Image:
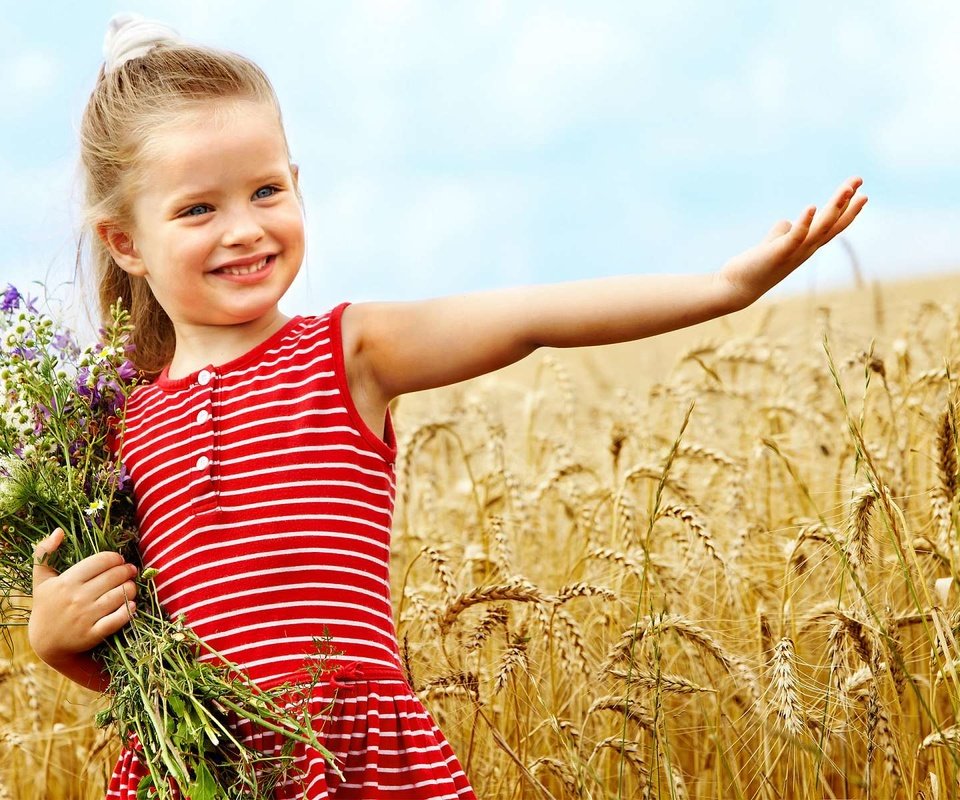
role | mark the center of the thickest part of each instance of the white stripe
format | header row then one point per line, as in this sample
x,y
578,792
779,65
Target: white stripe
x,y
300,484
202,622
296,663
267,624
187,459
248,646
384,623
188,462
300,519
297,658
340,587
246,557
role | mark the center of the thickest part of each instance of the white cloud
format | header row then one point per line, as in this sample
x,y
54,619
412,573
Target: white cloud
x,y
26,77
556,72
42,209
413,236
922,128
899,242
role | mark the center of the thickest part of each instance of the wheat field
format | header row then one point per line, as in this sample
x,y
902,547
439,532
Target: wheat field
x,y
717,564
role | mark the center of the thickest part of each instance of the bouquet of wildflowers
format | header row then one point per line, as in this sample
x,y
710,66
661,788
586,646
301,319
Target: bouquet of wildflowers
x,y
63,407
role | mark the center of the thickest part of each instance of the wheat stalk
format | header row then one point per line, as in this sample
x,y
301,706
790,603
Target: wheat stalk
x,y
514,658
627,750
629,707
786,697
947,737
696,524
441,565
566,773
947,452
465,682
858,544
492,618
661,682
518,591
581,589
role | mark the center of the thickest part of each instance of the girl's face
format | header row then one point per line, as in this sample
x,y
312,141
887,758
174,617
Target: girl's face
x,y
217,227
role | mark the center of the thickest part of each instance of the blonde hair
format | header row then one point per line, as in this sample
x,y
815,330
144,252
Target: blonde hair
x,y
127,105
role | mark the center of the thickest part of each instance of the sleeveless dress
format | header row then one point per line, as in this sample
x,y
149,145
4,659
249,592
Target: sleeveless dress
x,y
265,502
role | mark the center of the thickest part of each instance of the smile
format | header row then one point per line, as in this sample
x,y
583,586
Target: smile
x,y
247,269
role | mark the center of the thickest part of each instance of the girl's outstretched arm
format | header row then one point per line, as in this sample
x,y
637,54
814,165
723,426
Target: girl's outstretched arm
x,y
394,348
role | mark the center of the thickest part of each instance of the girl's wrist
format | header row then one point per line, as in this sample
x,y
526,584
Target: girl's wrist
x,y
81,668
731,296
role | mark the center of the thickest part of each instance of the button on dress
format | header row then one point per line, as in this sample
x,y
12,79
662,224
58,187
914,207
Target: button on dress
x,y
266,503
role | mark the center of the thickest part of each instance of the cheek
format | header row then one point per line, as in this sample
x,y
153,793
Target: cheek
x,y
294,231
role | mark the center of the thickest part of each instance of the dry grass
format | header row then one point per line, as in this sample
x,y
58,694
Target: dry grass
x,y
602,594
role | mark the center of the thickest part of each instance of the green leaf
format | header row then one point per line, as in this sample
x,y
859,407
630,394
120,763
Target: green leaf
x,y
177,704
104,718
144,787
204,787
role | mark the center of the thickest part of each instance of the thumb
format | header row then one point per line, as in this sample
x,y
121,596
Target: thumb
x,y
44,549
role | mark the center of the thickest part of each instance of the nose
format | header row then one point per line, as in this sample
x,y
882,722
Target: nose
x,y
241,227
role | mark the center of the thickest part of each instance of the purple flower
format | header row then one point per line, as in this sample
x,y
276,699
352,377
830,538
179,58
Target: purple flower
x,y
126,371
81,382
123,479
11,298
65,343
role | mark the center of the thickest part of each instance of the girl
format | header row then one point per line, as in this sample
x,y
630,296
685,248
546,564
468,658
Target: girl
x,y
262,451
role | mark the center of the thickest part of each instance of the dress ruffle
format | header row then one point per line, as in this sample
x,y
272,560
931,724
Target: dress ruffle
x,y
385,743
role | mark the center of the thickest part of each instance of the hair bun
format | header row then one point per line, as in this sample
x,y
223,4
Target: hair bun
x,y
131,36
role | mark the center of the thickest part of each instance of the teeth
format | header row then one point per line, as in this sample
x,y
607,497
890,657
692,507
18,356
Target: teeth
x,y
247,269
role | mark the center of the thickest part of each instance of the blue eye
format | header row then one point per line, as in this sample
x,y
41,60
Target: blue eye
x,y
193,211
270,191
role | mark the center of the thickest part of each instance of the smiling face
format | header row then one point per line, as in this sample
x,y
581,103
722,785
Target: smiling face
x,y
217,227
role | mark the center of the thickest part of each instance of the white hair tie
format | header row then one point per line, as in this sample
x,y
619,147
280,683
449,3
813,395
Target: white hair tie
x,y
132,36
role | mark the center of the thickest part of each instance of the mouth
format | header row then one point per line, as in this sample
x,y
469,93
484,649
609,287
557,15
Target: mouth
x,y
246,269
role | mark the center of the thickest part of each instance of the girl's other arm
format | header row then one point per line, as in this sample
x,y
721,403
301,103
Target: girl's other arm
x,y
394,348
76,610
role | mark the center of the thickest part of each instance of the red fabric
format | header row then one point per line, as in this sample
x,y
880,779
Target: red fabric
x,y
265,503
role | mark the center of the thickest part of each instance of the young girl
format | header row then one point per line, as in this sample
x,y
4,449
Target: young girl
x,y
262,451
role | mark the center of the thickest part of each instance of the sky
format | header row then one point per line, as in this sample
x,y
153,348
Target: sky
x,y
450,146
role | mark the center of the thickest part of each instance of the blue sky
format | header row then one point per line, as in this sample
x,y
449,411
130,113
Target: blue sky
x,y
454,146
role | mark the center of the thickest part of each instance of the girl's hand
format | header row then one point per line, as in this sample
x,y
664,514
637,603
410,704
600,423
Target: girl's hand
x,y
787,246
76,610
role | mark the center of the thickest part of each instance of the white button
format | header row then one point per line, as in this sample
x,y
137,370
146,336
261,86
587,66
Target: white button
x,y
203,378
203,416
203,462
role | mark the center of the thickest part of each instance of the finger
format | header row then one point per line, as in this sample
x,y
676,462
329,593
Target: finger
x,y
778,230
45,548
835,209
845,191
800,229
114,621
116,598
94,565
841,212
849,215
110,579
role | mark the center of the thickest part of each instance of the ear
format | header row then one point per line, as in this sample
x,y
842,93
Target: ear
x,y
121,247
295,172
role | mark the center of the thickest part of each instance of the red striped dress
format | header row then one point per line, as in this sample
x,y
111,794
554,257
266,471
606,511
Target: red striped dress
x,y
265,502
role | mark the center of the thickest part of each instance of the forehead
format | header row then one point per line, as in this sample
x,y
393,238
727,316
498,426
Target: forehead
x,y
205,144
